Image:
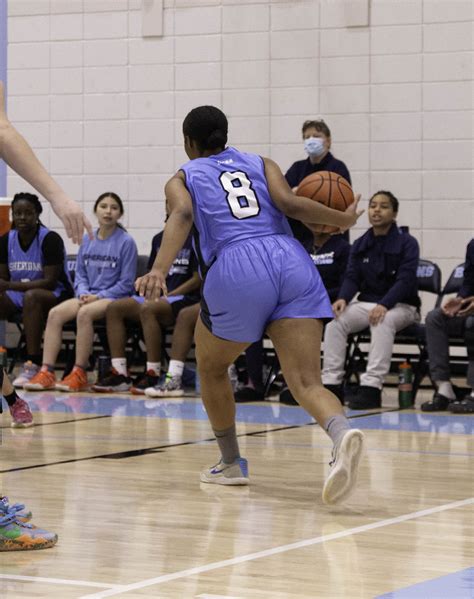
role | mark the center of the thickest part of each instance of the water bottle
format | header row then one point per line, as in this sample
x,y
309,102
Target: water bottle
x,y
405,385
3,357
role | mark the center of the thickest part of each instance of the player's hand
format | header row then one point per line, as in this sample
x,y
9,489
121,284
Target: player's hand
x,y
452,306
152,285
467,306
353,210
339,306
73,218
377,314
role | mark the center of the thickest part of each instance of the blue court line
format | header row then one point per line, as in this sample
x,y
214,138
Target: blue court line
x,y
459,585
271,413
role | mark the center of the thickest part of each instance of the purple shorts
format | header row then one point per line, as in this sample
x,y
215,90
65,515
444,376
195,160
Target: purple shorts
x,y
257,281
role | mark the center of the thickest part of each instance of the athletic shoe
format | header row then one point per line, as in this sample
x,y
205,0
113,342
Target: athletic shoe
x,y
42,381
75,381
367,398
466,406
25,376
16,535
149,379
438,403
342,477
21,414
236,473
170,387
19,508
246,394
113,383
337,390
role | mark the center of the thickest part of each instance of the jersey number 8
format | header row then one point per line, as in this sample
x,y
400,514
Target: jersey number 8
x,y
240,196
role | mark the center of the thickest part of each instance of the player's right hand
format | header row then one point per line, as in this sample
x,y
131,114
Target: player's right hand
x,y
452,306
339,306
73,218
152,285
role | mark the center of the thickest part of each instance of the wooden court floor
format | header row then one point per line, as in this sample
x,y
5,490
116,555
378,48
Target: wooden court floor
x,y
118,479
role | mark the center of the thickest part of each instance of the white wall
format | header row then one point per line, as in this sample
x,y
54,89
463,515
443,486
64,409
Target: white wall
x,y
103,106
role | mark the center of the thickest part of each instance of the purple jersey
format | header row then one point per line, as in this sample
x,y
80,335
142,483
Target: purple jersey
x,y
231,202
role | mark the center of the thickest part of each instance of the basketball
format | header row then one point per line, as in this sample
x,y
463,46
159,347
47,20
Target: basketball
x,y
330,189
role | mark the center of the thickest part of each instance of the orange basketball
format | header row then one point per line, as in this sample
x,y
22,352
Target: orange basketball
x,y
330,189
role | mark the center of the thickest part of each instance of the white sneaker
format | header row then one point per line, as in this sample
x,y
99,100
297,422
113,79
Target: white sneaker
x,y
342,477
25,376
171,387
236,473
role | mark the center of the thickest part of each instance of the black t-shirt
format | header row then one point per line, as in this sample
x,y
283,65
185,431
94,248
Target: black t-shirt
x,y
52,249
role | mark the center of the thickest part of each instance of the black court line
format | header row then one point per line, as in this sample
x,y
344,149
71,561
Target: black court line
x,y
36,425
161,448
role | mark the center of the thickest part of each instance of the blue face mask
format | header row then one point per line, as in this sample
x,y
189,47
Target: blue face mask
x,y
314,146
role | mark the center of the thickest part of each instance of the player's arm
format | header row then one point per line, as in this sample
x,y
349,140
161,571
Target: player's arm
x,y
19,156
304,209
176,232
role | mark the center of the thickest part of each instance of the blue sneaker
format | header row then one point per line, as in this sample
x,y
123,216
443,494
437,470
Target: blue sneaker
x,y
16,535
236,473
18,508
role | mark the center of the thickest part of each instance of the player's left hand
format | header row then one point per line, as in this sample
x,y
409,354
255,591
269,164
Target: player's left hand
x,y
467,306
152,285
377,314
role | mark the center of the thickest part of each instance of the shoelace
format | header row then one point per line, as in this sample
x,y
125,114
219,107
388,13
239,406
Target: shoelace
x,y
9,514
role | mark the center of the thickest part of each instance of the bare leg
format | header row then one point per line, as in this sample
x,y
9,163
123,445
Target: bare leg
x,y
183,334
57,316
86,316
297,342
117,313
153,315
36,305
214,356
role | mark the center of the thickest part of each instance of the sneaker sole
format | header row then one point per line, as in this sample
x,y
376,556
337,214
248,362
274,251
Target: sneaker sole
x,y
119,389
222,480
66,389
136,391
33,387
21,424
157,394
343,478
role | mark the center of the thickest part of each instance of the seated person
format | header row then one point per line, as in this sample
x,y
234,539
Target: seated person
x,y
183,285
441,323
105,270
330,254
382,270
317,143
32,276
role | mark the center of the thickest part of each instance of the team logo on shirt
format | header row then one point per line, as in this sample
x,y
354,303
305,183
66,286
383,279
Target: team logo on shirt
x,y
319,259
99,261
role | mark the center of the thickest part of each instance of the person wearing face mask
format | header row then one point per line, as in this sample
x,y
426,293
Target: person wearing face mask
x,y
317,145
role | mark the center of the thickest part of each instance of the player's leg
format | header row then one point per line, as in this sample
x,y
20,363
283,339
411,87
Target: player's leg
x,y
19,409
183,335
154,316
15,532
116,315
382,336
36,305
297,342
214,355
87,314
57,317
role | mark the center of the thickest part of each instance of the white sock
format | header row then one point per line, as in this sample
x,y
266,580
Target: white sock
x,y
120,365
445,388
175,368
155,366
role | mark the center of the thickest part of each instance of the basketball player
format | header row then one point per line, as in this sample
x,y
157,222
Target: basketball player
x,y
257,278
15,531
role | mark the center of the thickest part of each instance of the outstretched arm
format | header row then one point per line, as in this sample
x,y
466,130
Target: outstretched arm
x,y
176,232
304,209
19,156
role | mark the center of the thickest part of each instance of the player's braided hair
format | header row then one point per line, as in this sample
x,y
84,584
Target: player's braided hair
x,y
29,197
207,126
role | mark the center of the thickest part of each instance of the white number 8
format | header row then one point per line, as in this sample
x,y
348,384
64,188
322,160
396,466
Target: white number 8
x,y
242,200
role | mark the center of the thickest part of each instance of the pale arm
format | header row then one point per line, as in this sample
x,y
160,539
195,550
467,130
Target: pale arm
x,y
19,156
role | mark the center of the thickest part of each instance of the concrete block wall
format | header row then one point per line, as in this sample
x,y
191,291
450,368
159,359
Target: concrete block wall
x,y
103,106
